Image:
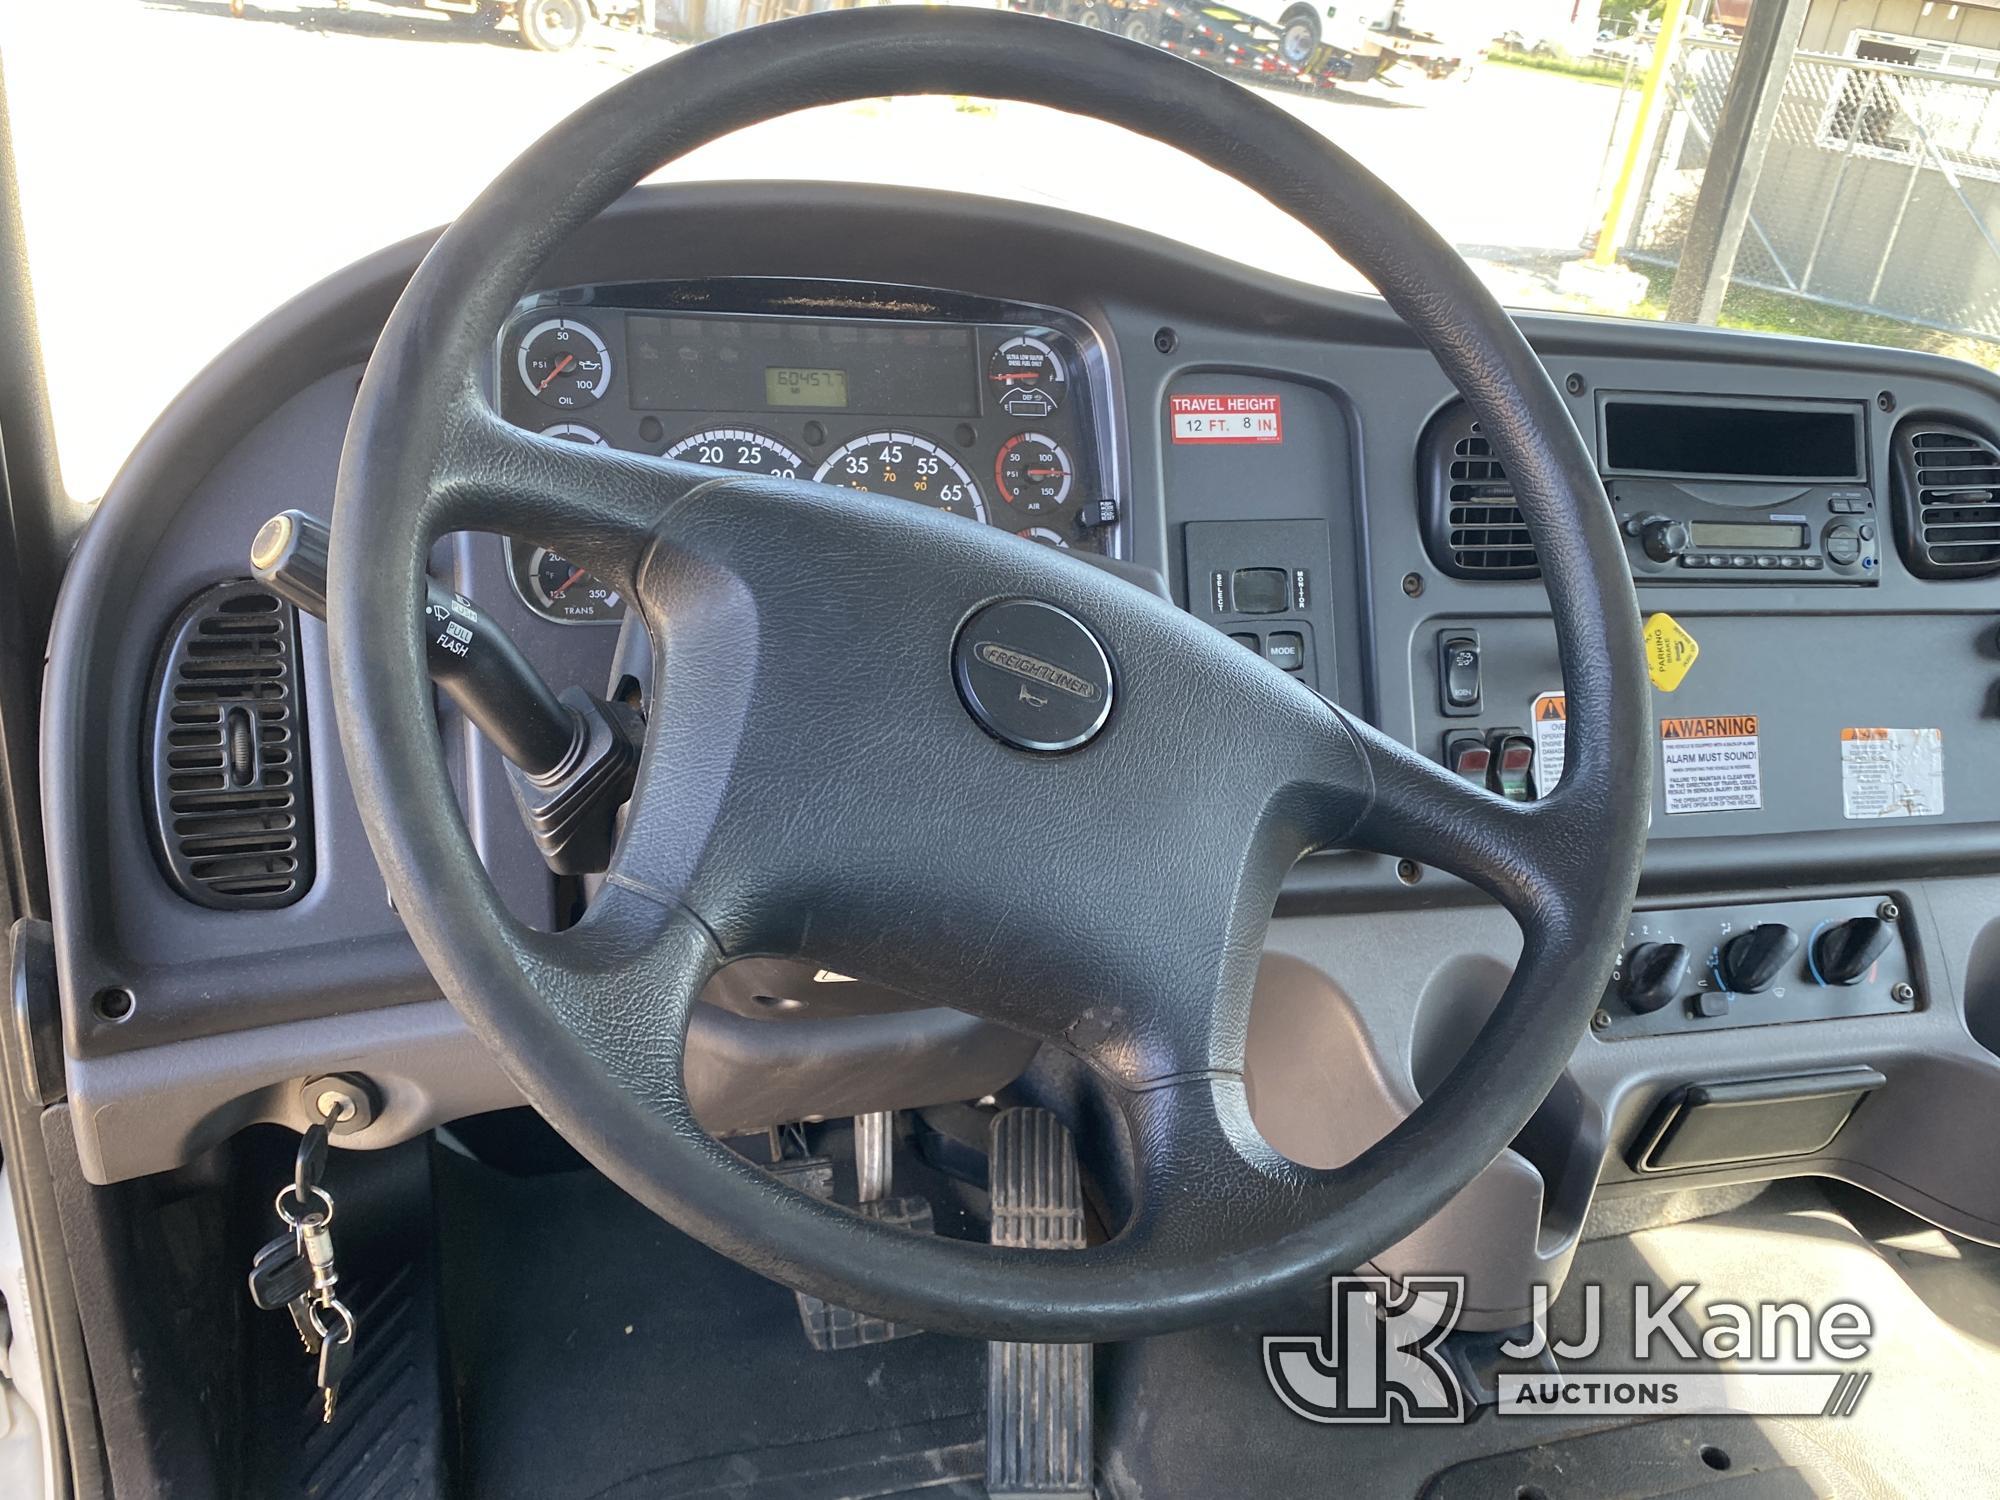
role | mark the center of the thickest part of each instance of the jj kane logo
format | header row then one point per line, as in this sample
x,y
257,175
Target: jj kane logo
x,y
1380,1361
1384,1357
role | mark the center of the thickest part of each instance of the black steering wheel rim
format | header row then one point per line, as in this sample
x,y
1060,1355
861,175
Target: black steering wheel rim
x,y
732,573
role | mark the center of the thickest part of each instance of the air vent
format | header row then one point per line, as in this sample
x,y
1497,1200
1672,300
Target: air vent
x,y
231,801
1947,500
1472,527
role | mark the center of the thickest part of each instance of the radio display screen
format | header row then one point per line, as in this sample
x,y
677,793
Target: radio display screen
x,y
1752,536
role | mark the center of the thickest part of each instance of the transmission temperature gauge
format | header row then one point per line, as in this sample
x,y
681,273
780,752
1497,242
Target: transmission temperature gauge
x,y
557,589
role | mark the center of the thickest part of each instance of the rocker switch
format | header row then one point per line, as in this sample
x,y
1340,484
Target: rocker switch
x,y
1513,764
1458,672
1466,753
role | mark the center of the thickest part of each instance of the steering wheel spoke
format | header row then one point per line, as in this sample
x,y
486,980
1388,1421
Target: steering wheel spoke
x,y
598,506
1517,852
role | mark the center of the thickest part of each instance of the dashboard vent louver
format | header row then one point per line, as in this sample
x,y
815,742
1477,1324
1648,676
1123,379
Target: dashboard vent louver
x,y
231,800
1472,526
1947,509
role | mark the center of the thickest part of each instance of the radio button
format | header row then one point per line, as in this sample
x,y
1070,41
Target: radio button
x,y
1738,560
1788,562
1843,545
1811,564
1764,560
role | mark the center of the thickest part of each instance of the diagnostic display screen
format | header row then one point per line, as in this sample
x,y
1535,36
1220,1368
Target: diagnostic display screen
x,y
805,387
1753,536
704,362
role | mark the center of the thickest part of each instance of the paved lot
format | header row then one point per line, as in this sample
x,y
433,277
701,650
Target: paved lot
x,y
183,172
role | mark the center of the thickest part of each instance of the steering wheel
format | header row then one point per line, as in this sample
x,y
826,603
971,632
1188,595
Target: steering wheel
x,y
919,751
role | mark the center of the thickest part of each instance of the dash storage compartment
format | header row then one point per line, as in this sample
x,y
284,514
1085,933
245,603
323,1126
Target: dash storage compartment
x,y
1758,1119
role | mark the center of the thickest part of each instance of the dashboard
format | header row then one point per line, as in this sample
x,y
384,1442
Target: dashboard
x,y
1814,530
995,422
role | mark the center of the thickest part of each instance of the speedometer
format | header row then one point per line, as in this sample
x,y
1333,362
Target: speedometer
x,y
743,449
906,465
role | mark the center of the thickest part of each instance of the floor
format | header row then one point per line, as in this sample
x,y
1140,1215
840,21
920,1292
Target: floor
x,y
1196,1403
612,1358
615,1359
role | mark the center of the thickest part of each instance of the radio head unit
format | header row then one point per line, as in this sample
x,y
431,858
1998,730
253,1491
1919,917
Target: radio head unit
x,y
1751,491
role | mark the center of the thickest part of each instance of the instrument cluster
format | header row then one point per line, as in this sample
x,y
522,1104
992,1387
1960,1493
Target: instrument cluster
x,y
993,422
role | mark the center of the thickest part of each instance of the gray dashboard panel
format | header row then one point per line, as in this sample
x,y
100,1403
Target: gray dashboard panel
x,y
1370,978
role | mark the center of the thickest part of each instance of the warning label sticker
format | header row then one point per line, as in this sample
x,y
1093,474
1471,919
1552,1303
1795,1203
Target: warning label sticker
x,y
1227,419
1550,719
1892,773
1711,764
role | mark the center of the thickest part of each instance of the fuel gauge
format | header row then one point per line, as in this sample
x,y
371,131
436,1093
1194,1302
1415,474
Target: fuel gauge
x,y
1026,377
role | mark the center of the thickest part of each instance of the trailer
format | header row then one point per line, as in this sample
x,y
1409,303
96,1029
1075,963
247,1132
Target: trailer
x,y
1288,53
546,25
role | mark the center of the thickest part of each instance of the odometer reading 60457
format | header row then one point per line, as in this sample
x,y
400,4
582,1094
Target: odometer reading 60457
x,y
904,464
789,387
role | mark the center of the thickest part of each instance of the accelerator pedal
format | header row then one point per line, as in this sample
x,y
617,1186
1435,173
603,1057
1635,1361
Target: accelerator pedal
x,y
1038,1398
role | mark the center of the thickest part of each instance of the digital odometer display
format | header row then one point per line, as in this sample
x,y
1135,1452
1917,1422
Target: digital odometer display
x,y
1751,536
822,388
709,362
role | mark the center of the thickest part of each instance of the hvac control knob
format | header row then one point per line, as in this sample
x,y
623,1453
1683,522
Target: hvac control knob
x,y
1750,961
1847,950
1653,976
1664,539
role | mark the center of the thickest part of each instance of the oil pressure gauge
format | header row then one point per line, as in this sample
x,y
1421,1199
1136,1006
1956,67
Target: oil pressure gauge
x,y
564,363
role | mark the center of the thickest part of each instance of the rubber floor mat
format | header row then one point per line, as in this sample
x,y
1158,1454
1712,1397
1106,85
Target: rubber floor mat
x,y
598,1354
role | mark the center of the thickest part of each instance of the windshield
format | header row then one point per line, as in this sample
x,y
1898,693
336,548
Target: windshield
x,y
207,159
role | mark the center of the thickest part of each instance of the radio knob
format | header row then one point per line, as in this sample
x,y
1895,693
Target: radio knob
x,y
1663,538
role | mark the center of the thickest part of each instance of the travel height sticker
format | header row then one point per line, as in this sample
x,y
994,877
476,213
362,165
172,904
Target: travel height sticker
x,y
1227,419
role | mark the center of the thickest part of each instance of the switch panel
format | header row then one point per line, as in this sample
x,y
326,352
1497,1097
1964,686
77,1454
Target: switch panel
x,y
1702,968
1268,586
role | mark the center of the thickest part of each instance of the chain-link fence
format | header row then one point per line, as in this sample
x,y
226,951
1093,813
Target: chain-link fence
x,y
1880,191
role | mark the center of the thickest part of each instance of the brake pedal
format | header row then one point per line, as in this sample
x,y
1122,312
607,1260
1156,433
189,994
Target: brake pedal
x,y
828,1325
1038,1396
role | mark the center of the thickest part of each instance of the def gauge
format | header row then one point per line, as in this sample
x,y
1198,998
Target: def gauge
x,y
743,449
564,363
1026,377
1033,472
